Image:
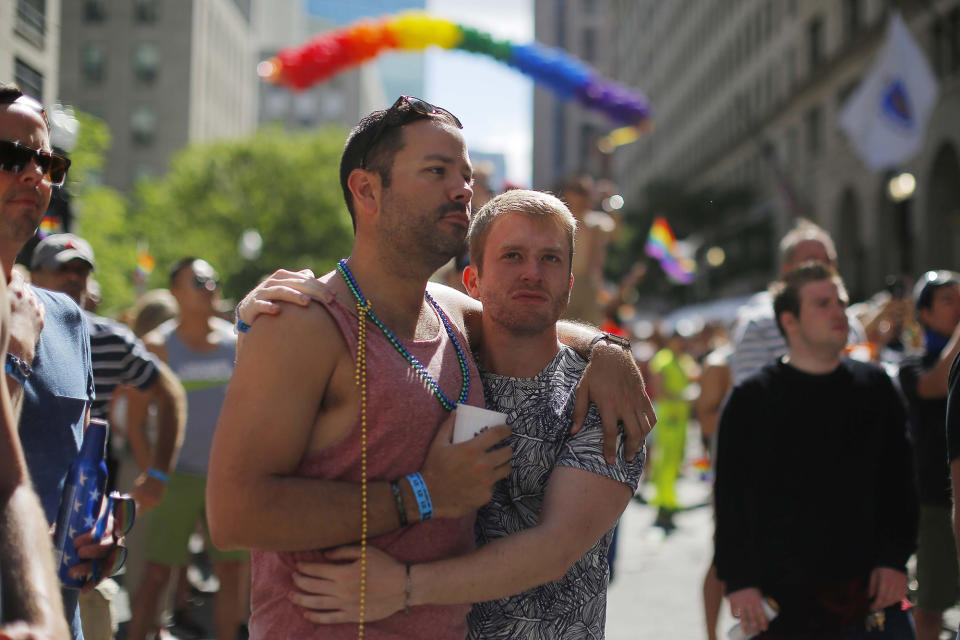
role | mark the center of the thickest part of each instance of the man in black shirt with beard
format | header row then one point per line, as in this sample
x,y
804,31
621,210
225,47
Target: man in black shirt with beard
x,y
816,506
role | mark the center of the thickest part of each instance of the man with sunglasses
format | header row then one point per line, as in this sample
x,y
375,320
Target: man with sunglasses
x,y
335,429
51,377
199,348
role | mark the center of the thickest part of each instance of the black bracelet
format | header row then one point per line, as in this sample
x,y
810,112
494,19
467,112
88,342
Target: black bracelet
x,y
401,508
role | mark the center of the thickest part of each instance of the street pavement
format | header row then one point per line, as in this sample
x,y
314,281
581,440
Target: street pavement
x,y
657,587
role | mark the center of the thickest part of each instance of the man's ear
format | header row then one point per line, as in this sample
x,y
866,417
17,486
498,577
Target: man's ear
x,y
365,188
788,321
470,280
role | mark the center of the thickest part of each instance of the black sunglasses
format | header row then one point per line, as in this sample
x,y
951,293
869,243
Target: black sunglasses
x,y
15,158
416,104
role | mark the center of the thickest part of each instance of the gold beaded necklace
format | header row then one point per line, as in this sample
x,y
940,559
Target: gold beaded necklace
x,y
361,378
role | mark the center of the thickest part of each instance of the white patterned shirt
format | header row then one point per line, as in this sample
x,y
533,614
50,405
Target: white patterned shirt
x,y
540,411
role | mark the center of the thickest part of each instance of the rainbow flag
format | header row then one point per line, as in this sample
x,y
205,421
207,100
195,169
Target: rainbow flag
x,y
662,245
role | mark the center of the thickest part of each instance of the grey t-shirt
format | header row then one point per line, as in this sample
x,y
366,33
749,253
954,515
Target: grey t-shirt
x,y
540,411
205,377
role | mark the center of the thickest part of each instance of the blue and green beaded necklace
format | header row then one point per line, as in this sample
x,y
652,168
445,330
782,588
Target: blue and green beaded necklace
x,y
421,371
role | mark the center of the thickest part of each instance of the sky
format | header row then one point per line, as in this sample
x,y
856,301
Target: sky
x,y
493,101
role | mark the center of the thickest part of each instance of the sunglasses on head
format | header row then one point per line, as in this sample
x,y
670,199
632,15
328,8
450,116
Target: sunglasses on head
x,y
15,158
416,104
29,102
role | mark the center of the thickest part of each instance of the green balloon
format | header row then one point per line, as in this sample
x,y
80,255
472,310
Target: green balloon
x,y
481,42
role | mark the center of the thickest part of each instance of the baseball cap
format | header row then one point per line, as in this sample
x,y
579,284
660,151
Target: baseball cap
x,y
930,282
60,248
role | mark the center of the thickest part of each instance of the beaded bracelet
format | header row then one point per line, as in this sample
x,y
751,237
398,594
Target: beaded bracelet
x,y
158,475
422,494
242,327
401,508
407,591
17,368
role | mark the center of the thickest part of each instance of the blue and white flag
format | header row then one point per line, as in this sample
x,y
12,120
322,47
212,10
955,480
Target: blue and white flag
x,y
886,117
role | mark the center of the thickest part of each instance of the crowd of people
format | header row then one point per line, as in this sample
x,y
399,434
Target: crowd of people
x,y
307,439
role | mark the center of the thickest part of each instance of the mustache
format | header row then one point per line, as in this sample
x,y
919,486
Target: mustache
x,y
454,207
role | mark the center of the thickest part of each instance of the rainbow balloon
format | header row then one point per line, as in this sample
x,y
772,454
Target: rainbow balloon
x,y
334,51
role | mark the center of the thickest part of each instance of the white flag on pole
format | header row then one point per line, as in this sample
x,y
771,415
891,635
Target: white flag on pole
x,y
886,117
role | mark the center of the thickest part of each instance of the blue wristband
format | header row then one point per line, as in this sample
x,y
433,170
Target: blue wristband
x,y
422,494
242,326
158,475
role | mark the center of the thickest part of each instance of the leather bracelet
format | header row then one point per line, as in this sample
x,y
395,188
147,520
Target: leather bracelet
x,y
401,508
422,494
17,368
156,474
242,327
407,592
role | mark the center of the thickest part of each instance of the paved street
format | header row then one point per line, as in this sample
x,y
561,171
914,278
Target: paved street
x,y
657,590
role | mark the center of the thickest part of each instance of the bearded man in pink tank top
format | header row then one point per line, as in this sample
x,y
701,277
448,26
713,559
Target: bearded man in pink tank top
x,y
337,423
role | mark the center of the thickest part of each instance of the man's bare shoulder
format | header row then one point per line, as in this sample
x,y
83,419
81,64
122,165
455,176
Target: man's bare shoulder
x,y
457,305
301,331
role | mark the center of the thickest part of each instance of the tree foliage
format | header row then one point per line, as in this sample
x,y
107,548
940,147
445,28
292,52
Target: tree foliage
x,y
284,186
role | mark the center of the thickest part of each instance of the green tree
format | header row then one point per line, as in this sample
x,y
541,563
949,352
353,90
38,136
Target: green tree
x,y
284,186
102,214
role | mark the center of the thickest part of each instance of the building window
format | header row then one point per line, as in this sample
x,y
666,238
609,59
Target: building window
x,y
95,10
29,79
32,20
145,11
143,126
852,18
92,59
589,44
146,61
946,43
815,44
814,125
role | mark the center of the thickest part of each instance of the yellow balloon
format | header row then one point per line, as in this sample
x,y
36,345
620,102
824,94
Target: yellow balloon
x,y
417,30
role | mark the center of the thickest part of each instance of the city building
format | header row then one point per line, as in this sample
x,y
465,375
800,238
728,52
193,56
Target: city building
x,y
346,97
564,133
30,46
161,74
748,93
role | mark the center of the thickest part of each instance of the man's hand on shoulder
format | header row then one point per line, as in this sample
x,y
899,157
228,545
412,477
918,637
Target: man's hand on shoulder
x,y
460,477
294,287
27,315
887,586
747,606
613,382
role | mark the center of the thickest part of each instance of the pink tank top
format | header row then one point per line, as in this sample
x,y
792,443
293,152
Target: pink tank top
x,y
402,418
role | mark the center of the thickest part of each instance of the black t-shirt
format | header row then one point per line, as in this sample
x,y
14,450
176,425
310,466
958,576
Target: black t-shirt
x,y
928,427
814,478
953,411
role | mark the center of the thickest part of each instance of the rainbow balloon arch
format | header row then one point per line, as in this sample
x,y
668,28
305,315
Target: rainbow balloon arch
x,y
568,77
